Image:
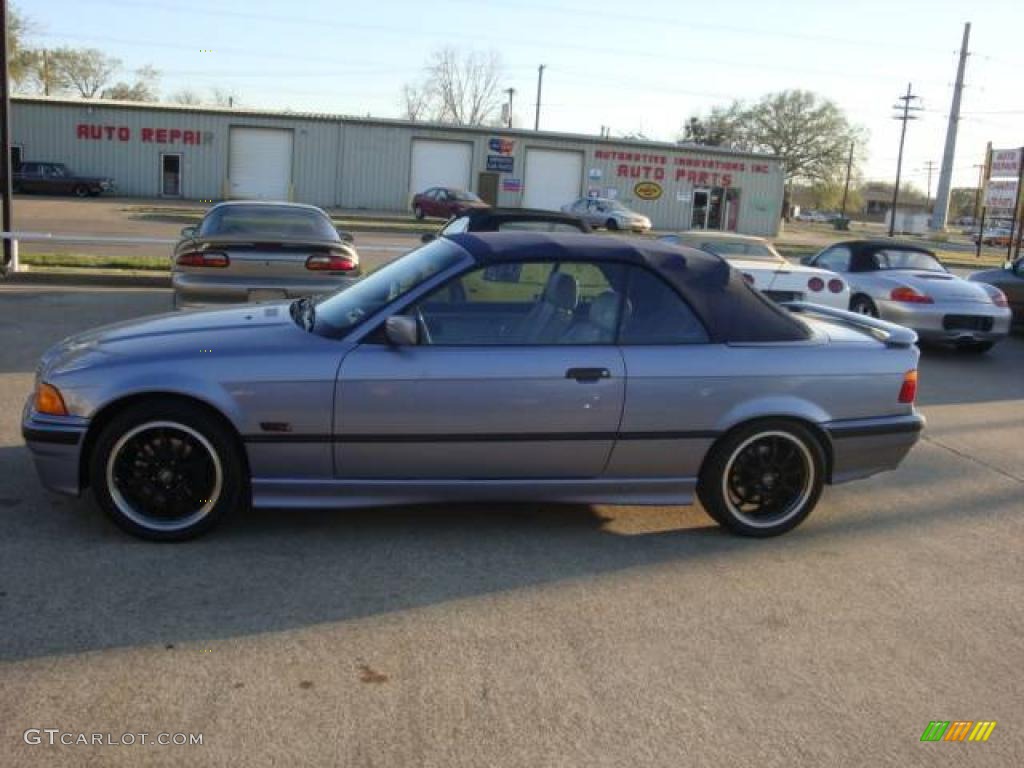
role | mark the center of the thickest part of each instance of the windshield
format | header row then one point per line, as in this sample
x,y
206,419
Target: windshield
x,y
342,311
738,249
902,259
268,221
461,194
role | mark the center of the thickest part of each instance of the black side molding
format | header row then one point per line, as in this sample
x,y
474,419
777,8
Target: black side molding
x,y
838,430
54,436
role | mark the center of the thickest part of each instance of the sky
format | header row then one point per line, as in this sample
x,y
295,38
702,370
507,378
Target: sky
x,y
632,66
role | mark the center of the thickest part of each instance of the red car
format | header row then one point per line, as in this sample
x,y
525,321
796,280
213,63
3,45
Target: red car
x,y
445,202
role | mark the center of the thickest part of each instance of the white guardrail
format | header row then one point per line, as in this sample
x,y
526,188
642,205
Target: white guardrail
x,y
49,237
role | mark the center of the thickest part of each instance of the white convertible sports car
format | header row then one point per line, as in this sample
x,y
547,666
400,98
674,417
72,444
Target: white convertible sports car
x,y
768,270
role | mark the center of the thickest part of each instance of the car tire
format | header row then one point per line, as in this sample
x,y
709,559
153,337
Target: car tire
x,y
778,462
611,225
417,212
862,305
81,190
168,455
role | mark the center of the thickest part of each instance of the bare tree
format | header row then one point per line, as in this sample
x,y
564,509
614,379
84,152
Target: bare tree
x,y
87,70
459,87
416,101
20,58
223,97
185,96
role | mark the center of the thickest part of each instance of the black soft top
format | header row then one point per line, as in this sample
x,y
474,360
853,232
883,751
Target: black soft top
x,y
481,219
730,309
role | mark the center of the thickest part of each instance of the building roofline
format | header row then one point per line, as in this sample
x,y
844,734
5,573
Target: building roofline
x,y
388,121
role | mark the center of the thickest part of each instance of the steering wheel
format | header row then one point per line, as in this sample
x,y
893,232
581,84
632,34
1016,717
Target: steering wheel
x,y
421,322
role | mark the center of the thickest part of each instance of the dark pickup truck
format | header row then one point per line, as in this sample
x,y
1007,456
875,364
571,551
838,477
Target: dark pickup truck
x,y
58,179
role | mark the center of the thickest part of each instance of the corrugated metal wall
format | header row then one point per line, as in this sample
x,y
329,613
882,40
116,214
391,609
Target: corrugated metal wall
x,y
365,164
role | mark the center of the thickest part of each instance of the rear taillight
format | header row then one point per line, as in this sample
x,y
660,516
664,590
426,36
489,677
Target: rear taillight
x,y
835,285
907,294
203,259
908,392
998,297
815,284
330,262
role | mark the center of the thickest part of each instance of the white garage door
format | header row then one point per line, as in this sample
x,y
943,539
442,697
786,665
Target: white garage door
x,y
440,164
260,163
553,178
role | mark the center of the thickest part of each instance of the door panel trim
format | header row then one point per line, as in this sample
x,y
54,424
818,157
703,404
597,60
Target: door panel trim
x,y
510,437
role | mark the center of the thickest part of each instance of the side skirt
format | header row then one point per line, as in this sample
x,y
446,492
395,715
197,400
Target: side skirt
x,y
347,493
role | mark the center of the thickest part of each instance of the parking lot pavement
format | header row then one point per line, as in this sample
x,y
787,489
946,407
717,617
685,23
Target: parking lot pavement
x,y
525,635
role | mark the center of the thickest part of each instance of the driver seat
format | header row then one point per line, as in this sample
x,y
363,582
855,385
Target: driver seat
x,y
552,315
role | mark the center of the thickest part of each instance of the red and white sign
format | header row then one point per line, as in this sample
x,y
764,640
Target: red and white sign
x,y
1005,162
1001,193
96,132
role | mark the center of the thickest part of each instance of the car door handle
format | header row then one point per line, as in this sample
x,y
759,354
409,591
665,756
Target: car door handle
x,y
588,374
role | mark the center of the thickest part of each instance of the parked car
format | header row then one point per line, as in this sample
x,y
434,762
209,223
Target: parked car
x,y
997,236
1009,280
768,270
58,179
610,214
904,283
509,220
665,377
256,251
444,202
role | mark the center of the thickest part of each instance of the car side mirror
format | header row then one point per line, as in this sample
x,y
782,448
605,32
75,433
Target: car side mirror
x,y
189,231
402,331
1018,268
428,238
346,237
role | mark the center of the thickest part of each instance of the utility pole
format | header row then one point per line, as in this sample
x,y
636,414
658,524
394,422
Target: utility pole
x,y
846,189
986,172
906,116
940,212
929,166
46,72
5,144
540,83
511,92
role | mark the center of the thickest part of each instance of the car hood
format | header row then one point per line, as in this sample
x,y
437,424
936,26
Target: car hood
x,y
176,336
940,286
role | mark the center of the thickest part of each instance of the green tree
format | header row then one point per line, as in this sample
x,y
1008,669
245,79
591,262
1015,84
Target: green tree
x,y
143,89
86,70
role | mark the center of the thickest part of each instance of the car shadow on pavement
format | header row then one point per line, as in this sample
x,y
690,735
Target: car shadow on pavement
x,y
71,582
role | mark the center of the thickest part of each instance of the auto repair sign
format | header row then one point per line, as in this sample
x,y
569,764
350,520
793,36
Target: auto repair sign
x,y
501,146
1005,162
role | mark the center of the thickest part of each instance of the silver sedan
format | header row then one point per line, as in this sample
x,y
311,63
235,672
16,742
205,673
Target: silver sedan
x,y
610,214
906,284
258,251
495,367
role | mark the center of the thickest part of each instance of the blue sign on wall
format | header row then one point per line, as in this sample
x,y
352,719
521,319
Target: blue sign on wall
x,y
500,163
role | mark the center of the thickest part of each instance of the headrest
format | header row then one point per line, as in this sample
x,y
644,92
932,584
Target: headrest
x,y
562,290
604,311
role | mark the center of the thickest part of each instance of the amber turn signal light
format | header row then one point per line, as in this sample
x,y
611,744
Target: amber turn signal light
x,y
48,400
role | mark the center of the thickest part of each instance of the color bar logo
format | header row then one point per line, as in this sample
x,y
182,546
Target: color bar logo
x,y
958,730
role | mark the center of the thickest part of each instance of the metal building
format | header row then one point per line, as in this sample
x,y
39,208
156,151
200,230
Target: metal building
x,y
204,153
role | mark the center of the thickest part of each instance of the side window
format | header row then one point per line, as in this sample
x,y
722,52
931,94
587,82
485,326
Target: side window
x,y
655,314
526,303
836,259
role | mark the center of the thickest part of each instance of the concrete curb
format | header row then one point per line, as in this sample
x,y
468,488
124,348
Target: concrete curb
x,y
104,278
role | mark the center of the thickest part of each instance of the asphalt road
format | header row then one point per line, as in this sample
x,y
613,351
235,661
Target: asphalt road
x,y
529,635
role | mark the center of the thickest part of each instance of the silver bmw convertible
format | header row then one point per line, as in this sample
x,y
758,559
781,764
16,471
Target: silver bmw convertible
x,y
496,366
